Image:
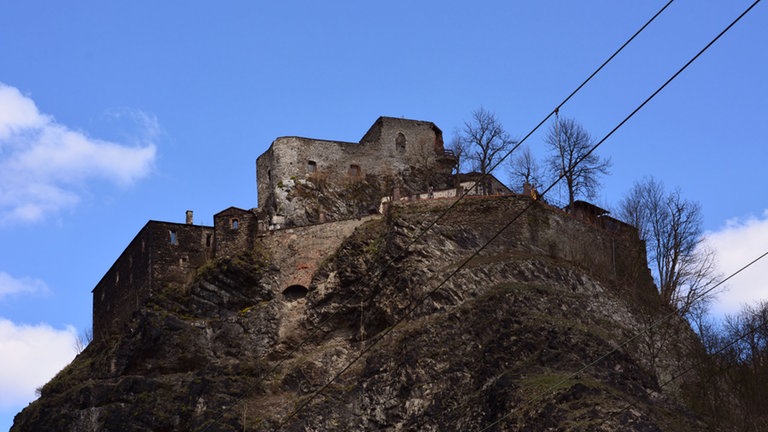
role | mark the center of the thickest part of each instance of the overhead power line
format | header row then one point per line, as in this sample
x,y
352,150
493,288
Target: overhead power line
x,y
705,292
415,304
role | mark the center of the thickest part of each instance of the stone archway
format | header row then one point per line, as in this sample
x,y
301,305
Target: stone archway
x,y
295,292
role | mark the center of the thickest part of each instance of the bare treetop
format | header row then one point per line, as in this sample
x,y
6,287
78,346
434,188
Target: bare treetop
x,y
671,227
485,140
524,169
570,146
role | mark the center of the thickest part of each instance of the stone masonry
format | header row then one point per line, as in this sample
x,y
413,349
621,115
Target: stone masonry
x,y
394,152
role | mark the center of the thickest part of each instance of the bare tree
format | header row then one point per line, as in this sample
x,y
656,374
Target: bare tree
x,y
485,140
524,169
747,358
459,149
671,228
570,145
83,339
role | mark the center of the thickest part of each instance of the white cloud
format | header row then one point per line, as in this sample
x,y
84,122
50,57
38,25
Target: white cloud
x,y
739,242
31,355
44,164
10,285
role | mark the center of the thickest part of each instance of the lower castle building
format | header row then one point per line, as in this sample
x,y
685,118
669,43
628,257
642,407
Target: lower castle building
x,y
165,254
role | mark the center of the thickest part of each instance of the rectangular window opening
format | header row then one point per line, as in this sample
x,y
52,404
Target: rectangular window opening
x,y
354,170
174,239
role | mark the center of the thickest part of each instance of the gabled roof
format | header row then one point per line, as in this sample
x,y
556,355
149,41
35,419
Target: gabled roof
x,y
375,130
232,210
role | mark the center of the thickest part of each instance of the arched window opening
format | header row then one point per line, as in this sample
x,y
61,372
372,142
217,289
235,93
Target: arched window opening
x,y
235,223
295,292
311,167
400,142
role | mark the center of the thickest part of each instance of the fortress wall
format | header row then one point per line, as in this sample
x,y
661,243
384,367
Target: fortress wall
x,y
299,251
264,183
174,264
124,287
543,230
235,230
613,254
151,261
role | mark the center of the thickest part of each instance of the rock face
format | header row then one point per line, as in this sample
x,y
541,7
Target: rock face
x,y
528,335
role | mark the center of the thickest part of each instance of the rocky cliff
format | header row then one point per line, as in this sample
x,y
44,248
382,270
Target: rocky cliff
x,y
528,335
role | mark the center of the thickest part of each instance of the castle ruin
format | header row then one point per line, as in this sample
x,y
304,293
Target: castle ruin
x,y
306,188
395,152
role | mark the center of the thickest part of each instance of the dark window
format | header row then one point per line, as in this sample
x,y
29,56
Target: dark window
x,y
207,239
311,166
400,142
354,170
174,240
235,224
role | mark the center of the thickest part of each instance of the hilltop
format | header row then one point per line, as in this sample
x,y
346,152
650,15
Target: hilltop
x,y
508,342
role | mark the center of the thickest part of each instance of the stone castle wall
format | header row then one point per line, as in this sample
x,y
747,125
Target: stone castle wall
x,y
304,181
235,230
616,255
162,255
298,252
392,148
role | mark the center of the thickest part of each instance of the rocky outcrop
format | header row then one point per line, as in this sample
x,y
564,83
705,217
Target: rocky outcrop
x,y
528,335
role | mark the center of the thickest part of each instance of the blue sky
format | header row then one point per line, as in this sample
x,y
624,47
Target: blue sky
x,y
113,113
